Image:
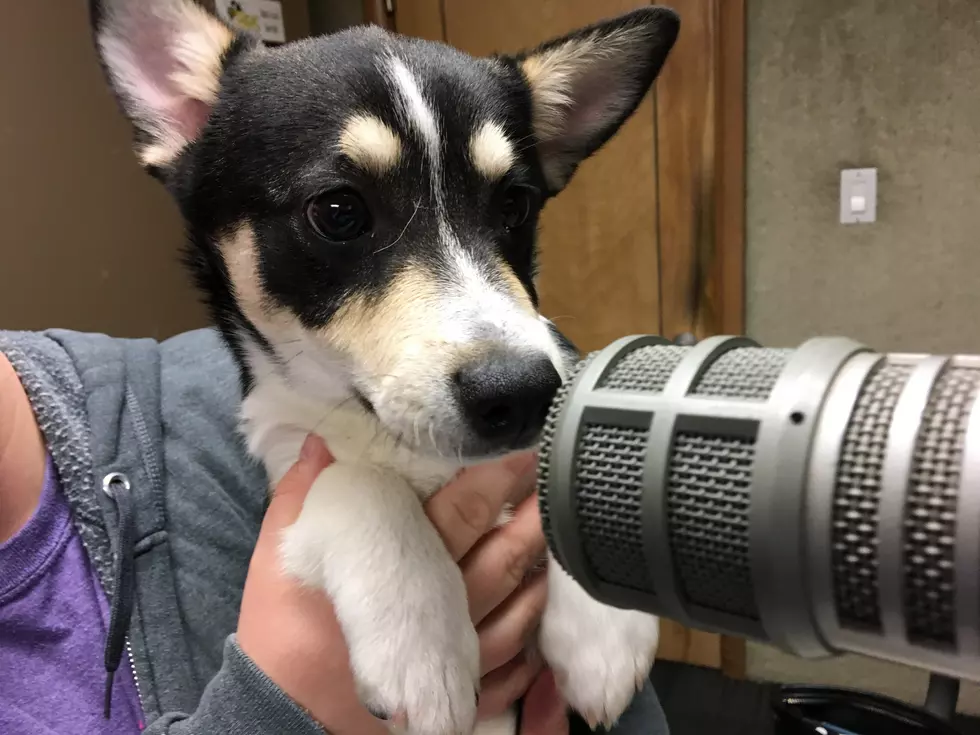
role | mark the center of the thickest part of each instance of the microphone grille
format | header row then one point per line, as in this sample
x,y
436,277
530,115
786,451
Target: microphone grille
x,y
547,439
645,369
857,497
708,502
930,510
609,482
748,373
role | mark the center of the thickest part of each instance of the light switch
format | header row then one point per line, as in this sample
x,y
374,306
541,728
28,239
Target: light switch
x,y
858,195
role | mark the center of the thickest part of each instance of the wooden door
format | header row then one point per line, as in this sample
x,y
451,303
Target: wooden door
x,y
647,238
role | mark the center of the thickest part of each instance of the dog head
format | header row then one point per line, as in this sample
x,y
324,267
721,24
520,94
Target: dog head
x,y
362,207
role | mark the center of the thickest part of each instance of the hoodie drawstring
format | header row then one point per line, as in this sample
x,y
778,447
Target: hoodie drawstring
x,y
117,487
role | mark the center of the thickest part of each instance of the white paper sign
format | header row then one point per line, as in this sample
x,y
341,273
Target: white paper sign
x,y
262,18
273,28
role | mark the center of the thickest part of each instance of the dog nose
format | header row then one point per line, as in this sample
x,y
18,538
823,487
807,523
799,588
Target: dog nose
x,y
506,396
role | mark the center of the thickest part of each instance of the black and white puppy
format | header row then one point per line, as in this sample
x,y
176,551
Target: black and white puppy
x,y
361,210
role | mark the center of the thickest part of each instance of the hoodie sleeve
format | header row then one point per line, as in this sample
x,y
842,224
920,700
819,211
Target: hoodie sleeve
x,y
239,700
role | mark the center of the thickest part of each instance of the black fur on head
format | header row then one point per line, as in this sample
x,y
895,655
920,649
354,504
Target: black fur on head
x,y
370,201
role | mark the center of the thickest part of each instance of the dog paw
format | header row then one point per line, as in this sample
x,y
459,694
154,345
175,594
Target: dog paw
x,y
398,595
601,655
423,683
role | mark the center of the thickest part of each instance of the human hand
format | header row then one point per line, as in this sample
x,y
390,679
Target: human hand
x,y
506,601
289,630
545,712
307,647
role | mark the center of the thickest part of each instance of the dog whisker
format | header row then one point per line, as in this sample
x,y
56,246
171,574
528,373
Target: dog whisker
x,y
330,413
432,438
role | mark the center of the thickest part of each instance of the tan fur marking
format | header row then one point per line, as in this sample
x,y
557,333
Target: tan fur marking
x,y
241,258
550,75
370,144
381,332
199,51
159,154
200,44
516,288
492,153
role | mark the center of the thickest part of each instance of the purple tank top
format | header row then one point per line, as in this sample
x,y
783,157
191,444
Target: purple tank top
x,y
53,621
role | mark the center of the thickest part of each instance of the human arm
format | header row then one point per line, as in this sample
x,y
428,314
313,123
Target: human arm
x,y
211,496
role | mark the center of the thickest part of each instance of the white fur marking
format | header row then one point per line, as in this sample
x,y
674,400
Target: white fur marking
x,y
480,304
420,116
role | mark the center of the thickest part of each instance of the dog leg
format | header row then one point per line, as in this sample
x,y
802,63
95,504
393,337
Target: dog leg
x,y
601,655
363,536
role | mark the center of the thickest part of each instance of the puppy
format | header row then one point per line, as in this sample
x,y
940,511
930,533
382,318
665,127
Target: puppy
x,y
361,211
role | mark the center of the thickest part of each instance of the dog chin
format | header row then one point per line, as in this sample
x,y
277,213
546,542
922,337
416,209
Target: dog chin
x,y
455,443
472,450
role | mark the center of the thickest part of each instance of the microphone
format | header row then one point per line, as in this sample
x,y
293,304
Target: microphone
x,y
825,499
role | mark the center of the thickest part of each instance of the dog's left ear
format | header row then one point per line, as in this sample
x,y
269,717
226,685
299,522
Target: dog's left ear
x,y
586,84
164,60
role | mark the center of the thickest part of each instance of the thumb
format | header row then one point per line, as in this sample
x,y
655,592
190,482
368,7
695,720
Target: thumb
x,y
289,494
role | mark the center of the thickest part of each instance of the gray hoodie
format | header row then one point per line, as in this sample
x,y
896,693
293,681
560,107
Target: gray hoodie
x,y
162,414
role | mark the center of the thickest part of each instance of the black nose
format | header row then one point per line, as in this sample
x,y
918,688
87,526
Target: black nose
x,y
506,396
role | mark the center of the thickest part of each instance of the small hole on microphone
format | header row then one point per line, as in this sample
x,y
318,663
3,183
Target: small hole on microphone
x,y
797,417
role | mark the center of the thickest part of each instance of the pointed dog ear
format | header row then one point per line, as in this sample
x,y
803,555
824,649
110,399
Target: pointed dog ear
x,y
586,84
164,60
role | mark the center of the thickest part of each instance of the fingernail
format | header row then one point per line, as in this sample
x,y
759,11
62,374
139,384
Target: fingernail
x,y
311,448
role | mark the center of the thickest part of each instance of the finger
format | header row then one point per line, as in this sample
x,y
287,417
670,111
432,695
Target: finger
x,y
289,494
499,564
545,712
468,506
264,570
504,634
501,688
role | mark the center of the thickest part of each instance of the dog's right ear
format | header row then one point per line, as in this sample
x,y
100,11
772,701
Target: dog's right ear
x,y
585,84
164,60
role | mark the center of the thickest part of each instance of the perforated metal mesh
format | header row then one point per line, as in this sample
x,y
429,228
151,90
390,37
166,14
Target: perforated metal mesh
x,y
747,373
645,369
856,497
930,510
708,502
547,437
609,476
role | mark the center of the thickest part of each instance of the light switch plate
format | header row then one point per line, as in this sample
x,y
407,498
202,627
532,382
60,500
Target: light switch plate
x,y
858,185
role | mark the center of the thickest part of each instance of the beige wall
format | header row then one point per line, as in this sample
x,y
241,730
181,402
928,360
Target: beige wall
x,y
88,241
855,83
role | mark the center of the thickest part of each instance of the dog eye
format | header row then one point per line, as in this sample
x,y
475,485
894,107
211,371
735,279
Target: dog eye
x,y
516,206
339,216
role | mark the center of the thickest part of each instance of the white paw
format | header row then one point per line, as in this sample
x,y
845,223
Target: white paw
x,y
601,655
421,675
399,597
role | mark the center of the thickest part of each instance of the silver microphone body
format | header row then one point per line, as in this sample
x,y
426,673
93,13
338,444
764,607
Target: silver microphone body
x,y
825,499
